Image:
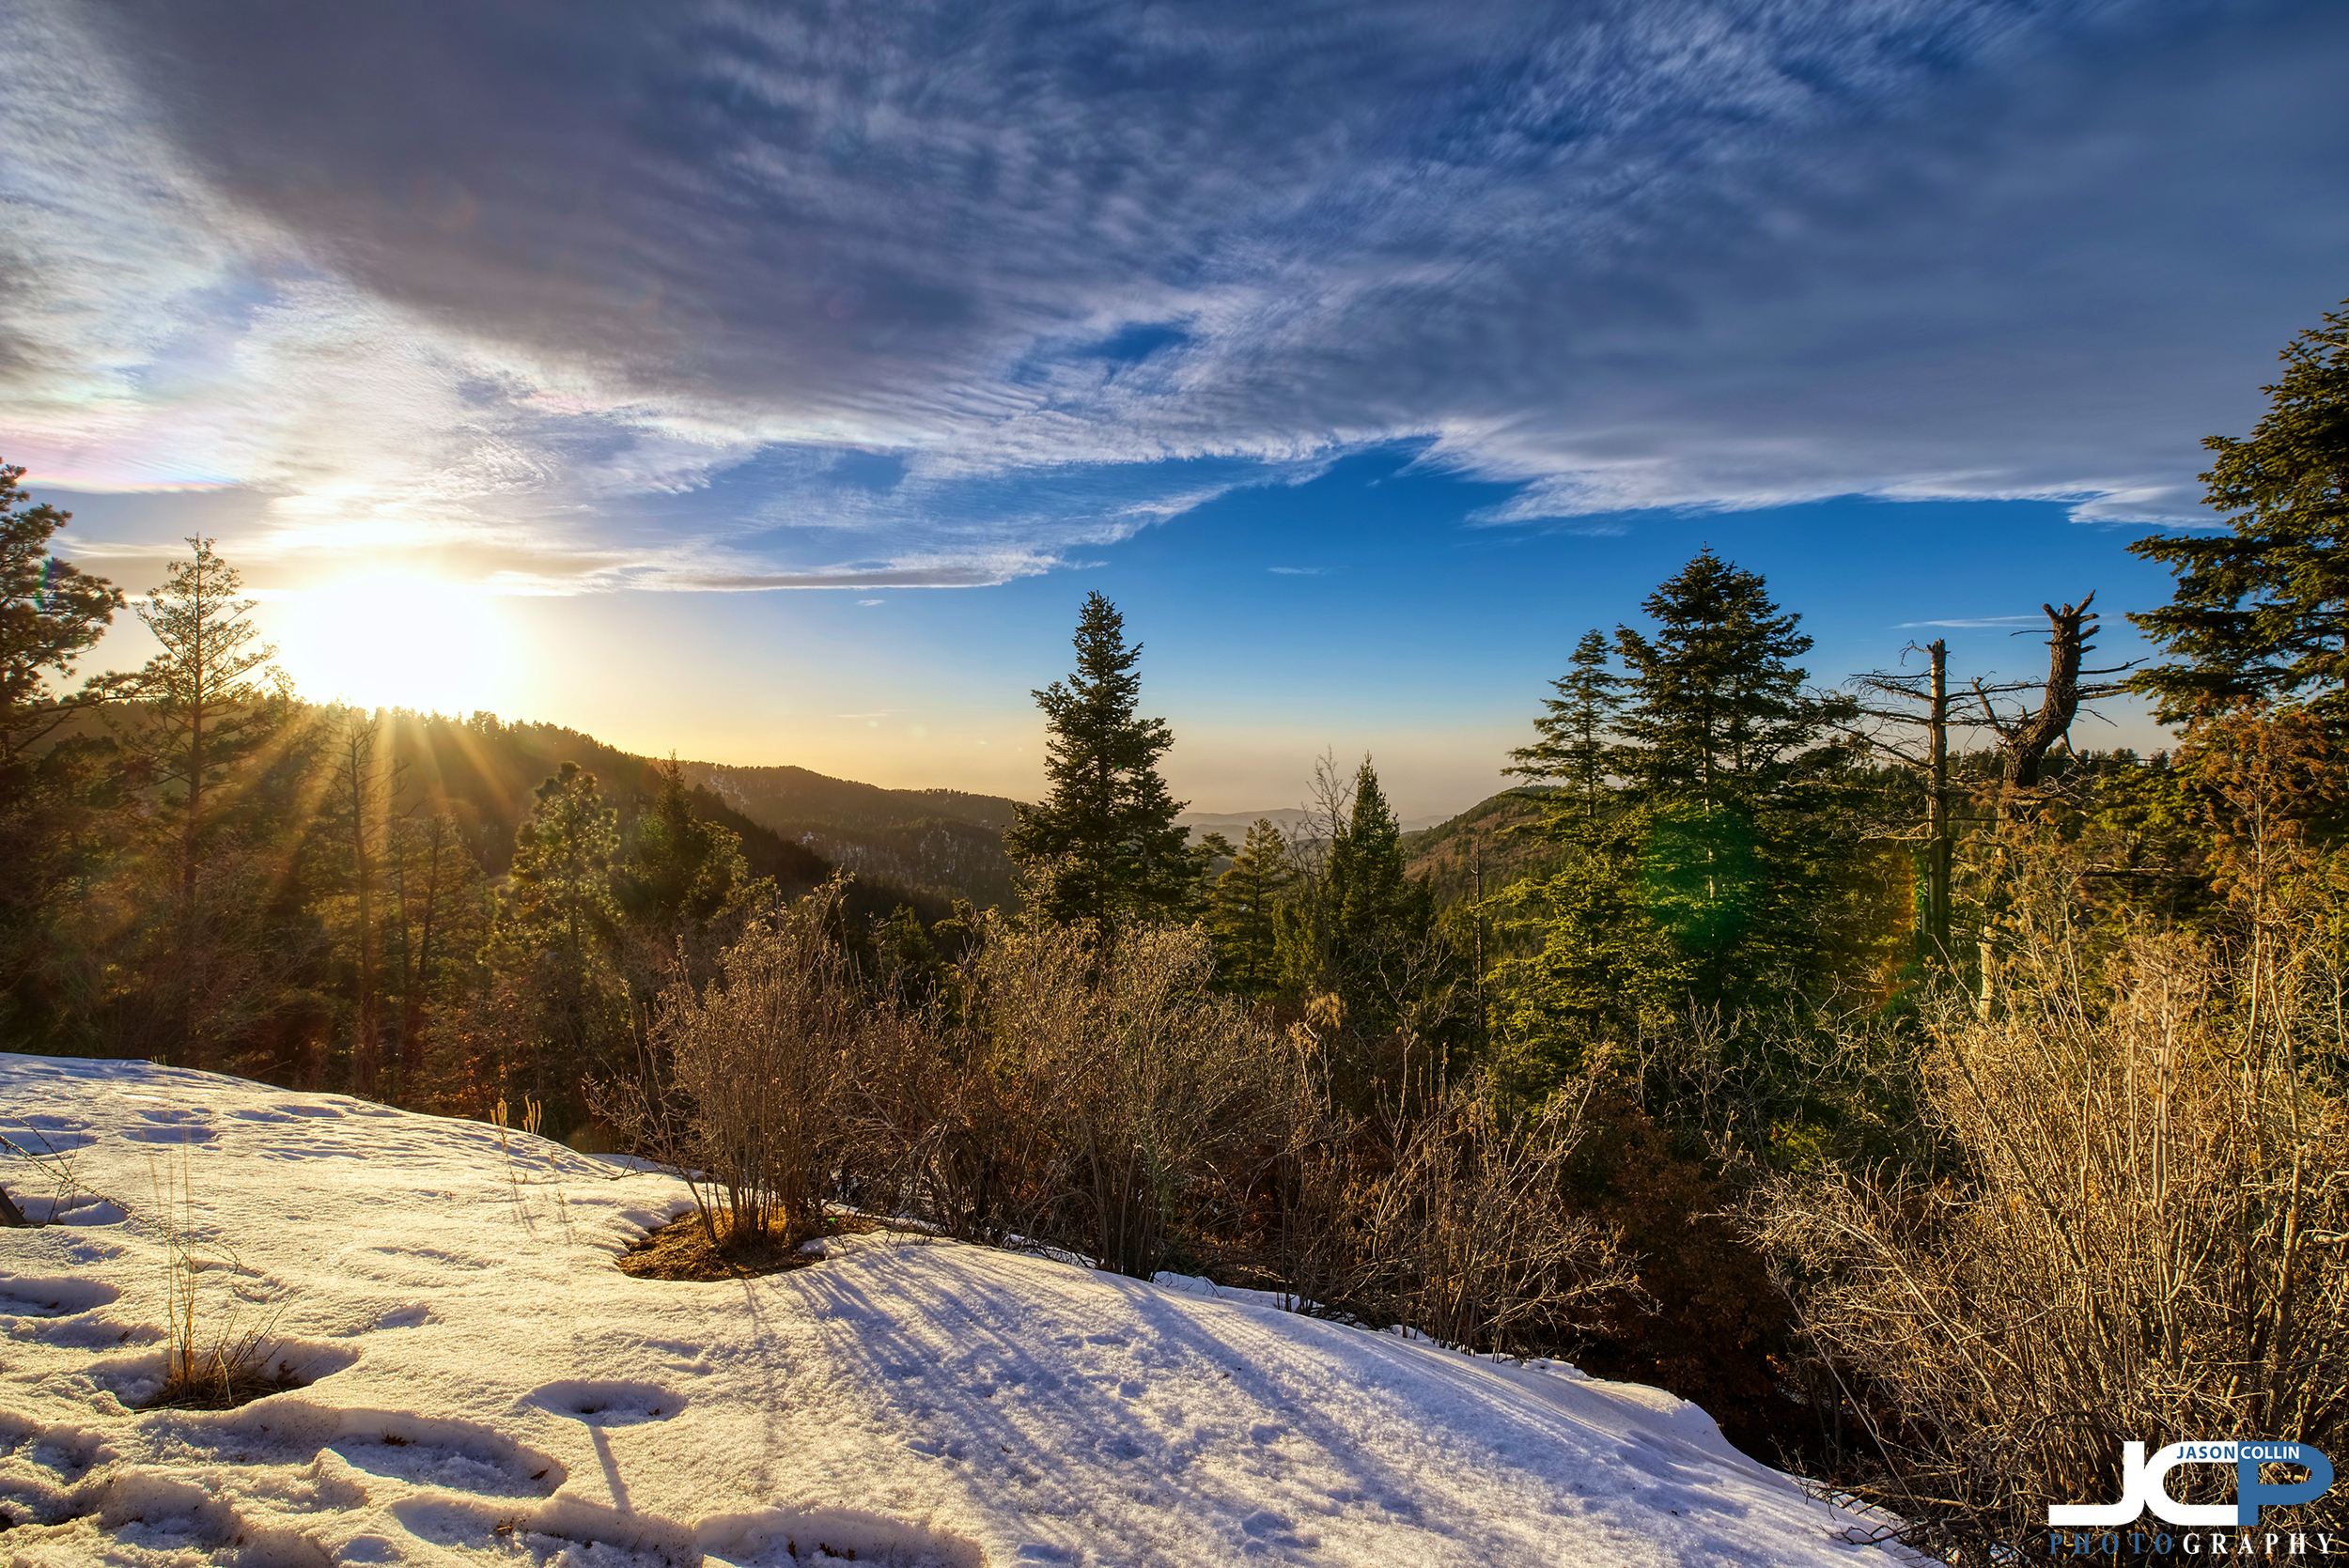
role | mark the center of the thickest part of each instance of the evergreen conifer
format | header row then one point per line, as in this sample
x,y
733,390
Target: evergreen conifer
x,y
1103,846
1574,732
682,869
2262,611
1714,879
1244,907
51,613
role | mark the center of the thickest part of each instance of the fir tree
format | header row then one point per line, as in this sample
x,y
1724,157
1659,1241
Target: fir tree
x,y
1715,714
1721,752
203,714
1366,887
553,939
1103,846
51,613
1364,930
1243,909
682,869
561,892
2262,611
54,794
1721,879
1575,731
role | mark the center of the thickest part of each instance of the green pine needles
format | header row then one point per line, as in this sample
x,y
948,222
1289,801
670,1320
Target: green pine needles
x,y
1103,846
2261,613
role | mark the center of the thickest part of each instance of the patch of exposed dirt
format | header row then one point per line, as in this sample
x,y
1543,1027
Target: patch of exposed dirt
x,y
224,1386
681,1250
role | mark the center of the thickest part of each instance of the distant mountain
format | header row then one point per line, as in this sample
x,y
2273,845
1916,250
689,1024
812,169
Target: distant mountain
x,y
485,773
922,848
940,842
1234,824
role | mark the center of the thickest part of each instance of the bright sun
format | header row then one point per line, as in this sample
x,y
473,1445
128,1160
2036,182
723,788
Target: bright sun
x,y
395,641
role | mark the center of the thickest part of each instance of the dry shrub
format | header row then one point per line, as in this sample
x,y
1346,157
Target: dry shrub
x,y
1142,1089
1440,1209
2138,1234
943,1134
745,1089
1475,1236
1101,1098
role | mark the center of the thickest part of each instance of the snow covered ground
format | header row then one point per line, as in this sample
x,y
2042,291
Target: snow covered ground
x,y
489,1389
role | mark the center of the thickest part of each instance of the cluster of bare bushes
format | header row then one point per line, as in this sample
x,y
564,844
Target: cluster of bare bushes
x,y
2134,1224
1101,1099
746,1075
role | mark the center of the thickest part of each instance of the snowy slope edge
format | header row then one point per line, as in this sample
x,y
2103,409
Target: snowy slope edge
x,y
490,1389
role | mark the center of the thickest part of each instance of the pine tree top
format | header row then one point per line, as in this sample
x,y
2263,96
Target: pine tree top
x,y
2262,611
1714,700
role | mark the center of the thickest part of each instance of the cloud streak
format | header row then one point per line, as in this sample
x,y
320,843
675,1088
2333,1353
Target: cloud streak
x,y
731,296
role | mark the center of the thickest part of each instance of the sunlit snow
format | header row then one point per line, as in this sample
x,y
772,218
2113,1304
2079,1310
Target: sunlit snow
x,y
489,1389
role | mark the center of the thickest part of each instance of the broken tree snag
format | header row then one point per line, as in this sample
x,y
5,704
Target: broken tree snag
x,y
11,1214
1922,701
2024,741
2028,743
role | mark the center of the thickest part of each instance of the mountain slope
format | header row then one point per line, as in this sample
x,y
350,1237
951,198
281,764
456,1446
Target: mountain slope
x,y
940,841
1483,849
921,847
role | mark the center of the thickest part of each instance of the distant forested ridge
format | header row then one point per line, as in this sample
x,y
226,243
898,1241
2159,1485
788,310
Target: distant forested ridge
x,y
934,844
920,847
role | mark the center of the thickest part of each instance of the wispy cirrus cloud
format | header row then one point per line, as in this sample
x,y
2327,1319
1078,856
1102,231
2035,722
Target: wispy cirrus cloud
x,y
735,296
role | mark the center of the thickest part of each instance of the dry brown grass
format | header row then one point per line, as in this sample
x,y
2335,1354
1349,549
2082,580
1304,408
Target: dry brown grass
x,y
224,1382
684,1248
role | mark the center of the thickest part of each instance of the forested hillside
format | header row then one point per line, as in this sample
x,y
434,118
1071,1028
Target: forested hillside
x,y
940,844
485,770
1483,850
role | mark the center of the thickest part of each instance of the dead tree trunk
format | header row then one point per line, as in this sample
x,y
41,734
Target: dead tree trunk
x,y
2024,741
2027,741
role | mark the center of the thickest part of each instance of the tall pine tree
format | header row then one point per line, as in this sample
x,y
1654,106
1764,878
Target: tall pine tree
x,y
1103,846
552,943
1574,732
1243,910
54,792
1716,875
1725,756
204,714
2261,613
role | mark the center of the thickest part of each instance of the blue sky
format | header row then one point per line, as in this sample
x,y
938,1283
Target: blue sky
x,y
769,382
